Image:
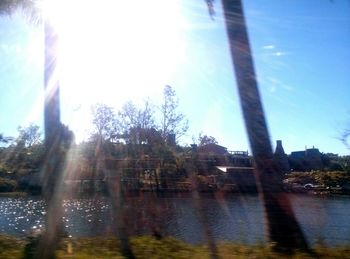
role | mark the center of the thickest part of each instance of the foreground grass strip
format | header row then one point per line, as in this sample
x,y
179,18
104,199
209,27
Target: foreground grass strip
x,y
149,247
11,248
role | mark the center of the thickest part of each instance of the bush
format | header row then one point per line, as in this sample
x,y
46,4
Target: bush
x,y
7,185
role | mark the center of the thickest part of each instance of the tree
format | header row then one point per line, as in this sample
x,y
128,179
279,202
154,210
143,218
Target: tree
x,y
29,136
5,140
146,116
29,149
345,138
128,116
173,121
68,137
104,121
205,140
132,116
138,124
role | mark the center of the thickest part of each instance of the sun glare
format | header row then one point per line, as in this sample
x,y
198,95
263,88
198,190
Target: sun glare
x,y
113,51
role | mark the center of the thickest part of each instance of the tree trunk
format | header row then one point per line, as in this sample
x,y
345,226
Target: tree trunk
x,y
283,228
53,167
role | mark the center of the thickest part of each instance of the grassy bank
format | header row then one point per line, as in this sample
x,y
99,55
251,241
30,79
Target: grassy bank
x,y
149,247
318,182
13,194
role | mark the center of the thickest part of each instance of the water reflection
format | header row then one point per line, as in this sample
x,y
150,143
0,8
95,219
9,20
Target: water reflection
x,y
19,216
236,218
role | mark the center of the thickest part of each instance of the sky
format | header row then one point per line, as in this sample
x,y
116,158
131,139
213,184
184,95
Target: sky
x,y
115,52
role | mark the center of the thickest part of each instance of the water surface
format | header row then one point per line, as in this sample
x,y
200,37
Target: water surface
x,y
238,218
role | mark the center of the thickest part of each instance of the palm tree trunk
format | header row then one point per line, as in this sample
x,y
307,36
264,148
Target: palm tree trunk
x,y
283,228
51,87
53,167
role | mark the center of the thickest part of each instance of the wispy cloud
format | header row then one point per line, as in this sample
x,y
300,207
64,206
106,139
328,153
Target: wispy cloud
x,y
278,83
271,50
275,54
268,47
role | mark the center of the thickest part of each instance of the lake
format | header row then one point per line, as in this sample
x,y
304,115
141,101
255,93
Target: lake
x,y
237,218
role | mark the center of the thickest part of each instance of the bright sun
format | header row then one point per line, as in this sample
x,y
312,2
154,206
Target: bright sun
x,y
111,51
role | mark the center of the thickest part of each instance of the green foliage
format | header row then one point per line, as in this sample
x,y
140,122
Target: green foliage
x,y
149,247
68,137
5,140
97,247
334,162
20,159
133,134
29,136
10,247
7,185
17,158
14,195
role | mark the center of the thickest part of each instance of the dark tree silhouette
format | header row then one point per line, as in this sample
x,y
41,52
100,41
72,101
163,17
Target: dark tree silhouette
x,y
5,140
345,138
205,140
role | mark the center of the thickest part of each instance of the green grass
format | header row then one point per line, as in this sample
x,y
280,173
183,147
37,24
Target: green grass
x,y
149,247
11,248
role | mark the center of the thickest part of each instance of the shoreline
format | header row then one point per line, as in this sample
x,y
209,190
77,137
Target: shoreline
x,y
178,191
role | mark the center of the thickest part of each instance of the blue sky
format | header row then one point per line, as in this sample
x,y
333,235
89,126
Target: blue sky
x,y
301,54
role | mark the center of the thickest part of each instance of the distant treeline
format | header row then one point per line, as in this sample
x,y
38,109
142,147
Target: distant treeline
x,y
147,137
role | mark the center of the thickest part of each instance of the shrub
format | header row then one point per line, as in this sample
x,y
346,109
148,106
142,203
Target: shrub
x,y
7,185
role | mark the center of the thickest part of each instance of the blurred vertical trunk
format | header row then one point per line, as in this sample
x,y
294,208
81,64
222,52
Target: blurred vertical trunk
x,y
53,167
192,171
283,228
52,92
114,170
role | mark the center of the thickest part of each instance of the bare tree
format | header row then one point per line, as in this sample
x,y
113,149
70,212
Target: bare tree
x,y
146,116
172,121
104,122
131,116
136,123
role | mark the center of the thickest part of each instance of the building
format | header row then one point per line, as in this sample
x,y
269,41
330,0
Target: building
x,y
307,160
230,168
212,149
280,158
216,155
